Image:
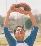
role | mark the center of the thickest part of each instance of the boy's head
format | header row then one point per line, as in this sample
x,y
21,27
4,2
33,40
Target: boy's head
x,y
19,33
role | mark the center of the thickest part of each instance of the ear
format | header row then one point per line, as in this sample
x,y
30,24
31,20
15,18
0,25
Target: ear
x,y
14,31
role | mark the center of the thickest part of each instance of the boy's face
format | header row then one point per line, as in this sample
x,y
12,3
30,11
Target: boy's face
x,y
19,33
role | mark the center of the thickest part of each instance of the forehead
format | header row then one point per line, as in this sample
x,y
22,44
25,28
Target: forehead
x,y
19,27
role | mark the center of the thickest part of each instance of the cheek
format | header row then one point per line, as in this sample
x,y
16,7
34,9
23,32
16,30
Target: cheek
x,y
16,35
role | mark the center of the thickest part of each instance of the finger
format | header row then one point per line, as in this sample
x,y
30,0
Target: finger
x,y
13,5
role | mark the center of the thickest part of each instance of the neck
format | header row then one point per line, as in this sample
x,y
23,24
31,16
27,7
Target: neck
x,y
20,39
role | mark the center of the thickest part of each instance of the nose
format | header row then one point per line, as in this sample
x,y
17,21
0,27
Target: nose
x,y
20,30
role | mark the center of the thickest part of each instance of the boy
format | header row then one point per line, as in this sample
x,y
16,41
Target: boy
x,y
19,31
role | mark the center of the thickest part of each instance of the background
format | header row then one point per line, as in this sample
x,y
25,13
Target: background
x,y
20,19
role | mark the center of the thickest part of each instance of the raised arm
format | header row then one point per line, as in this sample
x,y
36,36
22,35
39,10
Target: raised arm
x,y
34,31
30,40
32,19
8,14
7,33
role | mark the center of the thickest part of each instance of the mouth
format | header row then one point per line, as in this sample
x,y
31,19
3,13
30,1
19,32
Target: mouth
x,y
21,32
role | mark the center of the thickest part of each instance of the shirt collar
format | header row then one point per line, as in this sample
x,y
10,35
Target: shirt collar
x,y
20,41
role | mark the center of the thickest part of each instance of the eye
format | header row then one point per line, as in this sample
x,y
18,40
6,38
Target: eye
x,y
22,29
18,29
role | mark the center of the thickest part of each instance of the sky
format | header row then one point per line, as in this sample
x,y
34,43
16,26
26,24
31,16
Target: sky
x,y
5,5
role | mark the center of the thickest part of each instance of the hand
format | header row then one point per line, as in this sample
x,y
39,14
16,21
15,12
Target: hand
x,y
12,8
22,11
26,6
26,12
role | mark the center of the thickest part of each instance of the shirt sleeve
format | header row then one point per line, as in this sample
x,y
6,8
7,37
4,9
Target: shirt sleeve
x,y
30,40
8,36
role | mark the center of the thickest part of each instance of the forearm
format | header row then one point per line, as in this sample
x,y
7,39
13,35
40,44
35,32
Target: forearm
x,y
7,19
33,20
